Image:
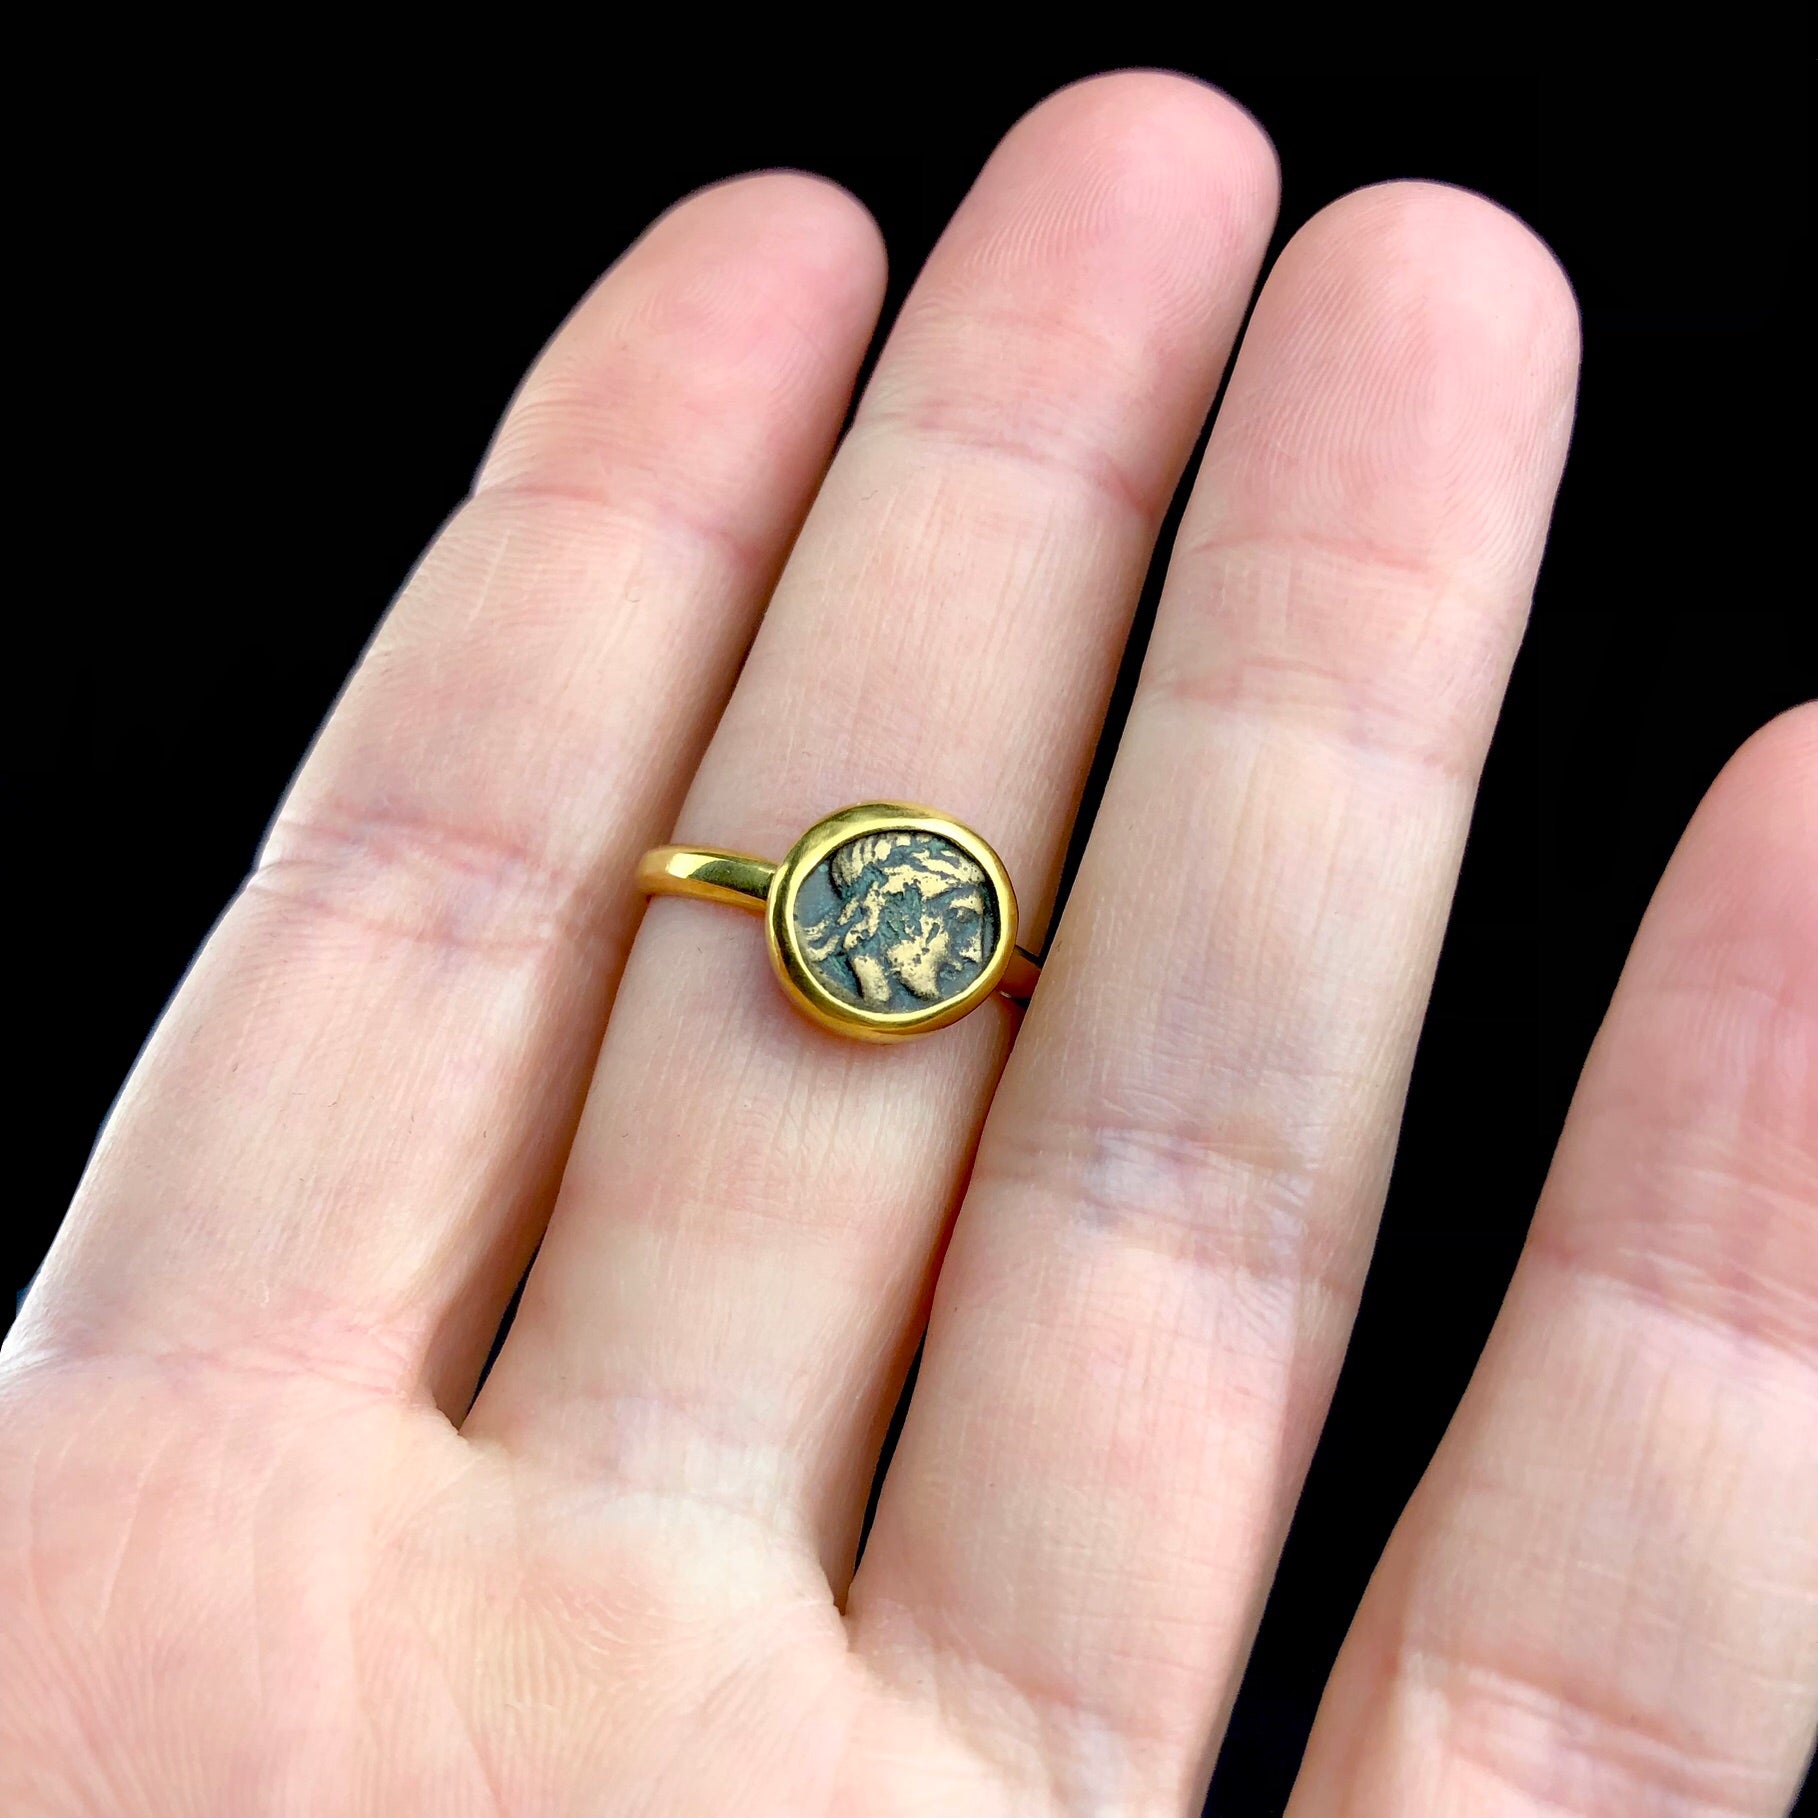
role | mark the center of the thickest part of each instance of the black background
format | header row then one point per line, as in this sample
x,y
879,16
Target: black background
x,y
279,306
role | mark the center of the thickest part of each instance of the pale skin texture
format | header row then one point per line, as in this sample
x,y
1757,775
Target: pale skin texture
x,y
258,1553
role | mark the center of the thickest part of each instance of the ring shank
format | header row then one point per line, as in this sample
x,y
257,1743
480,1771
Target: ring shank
x,y
706,872
1020,976
737,878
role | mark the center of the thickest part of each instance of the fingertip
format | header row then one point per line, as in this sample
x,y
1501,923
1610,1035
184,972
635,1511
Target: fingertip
x,y
1739,902
1479,261
1776,767
1159,124
1410,373
1102,259
1760,816
1137,185
748,303
778,250
819,224
1720,993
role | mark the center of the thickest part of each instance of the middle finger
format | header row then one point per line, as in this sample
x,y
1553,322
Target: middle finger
x,y
735,1274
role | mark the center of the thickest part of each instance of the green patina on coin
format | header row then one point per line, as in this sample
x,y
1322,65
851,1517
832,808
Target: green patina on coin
x,y
897,921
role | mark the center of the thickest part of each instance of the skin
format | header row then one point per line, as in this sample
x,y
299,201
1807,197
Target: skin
x,y
261,1549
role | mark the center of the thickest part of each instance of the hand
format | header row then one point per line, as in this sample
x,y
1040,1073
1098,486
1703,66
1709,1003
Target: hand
x,y
258,1552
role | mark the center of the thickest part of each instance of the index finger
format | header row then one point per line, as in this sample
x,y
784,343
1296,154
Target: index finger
x,y
341,1142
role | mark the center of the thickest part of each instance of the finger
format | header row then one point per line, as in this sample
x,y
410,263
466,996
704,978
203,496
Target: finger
x,y
1604,1595
733,1280
1148,1292
346,1131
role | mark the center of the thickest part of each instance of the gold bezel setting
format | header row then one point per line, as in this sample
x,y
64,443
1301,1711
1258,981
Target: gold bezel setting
x,y
801,981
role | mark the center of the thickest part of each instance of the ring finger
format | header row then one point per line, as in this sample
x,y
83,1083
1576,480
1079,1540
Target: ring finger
x,y
1149,1291
733,1280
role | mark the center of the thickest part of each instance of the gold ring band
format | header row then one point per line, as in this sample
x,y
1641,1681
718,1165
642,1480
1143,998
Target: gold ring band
x,y
883,921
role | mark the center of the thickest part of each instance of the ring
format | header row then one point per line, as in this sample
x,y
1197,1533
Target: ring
x,y
884,921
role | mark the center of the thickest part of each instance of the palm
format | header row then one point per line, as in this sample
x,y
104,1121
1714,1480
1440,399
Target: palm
x,y
368,1617
261,1547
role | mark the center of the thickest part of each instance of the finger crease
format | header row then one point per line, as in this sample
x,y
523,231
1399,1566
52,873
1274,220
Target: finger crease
x,y
423,881
1576,1752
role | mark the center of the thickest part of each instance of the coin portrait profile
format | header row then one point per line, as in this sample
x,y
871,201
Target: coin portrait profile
x,y
897,920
